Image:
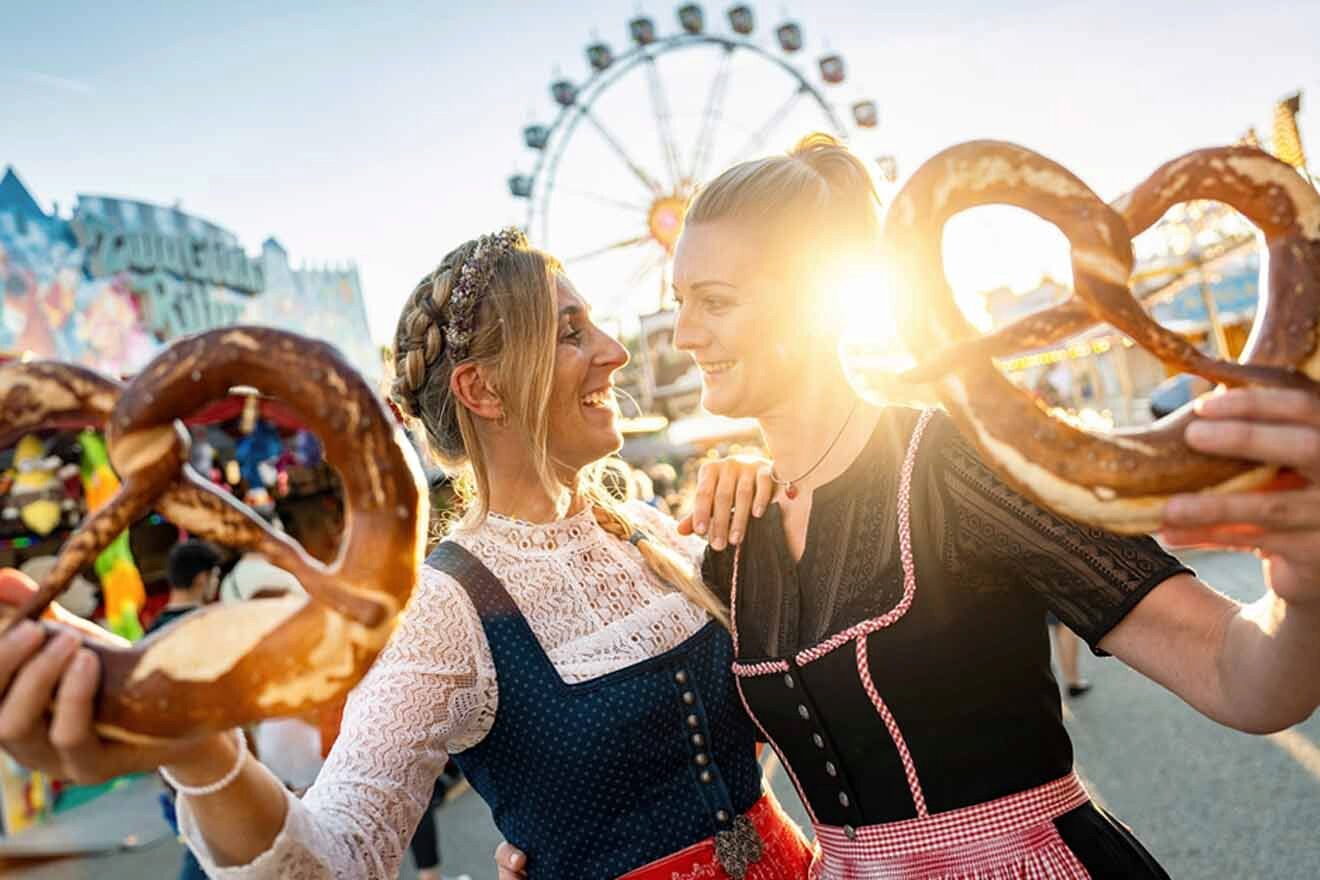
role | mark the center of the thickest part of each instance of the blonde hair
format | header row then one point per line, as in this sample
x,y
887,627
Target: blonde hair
x,y
513,342
816,199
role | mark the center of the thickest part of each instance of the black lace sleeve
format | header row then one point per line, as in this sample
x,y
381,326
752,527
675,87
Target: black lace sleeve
x,y
996,539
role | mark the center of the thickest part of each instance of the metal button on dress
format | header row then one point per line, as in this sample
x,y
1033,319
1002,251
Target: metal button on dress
x,y
843,798
701,758
722,816
831,769
706,776
680,677
689,697
818,740
849,832
788,681
693,721
698,740
802,710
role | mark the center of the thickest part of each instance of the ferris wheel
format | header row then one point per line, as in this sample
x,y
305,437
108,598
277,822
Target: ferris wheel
x,y
613,171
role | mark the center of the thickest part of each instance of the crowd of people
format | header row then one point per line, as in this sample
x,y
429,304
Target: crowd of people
x,y
872,605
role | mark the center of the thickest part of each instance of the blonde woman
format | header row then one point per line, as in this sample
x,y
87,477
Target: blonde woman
x,y
558,646
889,609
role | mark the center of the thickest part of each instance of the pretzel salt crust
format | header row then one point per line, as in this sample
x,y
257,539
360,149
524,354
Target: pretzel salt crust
x,y
1120,480
233,664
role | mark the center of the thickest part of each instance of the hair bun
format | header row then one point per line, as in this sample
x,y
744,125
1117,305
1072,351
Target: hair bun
x,y
838,165
814,144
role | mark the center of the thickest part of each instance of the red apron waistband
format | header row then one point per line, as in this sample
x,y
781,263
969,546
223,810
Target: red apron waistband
x,y
785,854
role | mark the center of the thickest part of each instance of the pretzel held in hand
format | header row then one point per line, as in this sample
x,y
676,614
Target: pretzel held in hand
x,y
1119,480
234,664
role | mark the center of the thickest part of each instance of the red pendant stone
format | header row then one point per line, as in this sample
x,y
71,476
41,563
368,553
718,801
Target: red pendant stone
x,y
791,491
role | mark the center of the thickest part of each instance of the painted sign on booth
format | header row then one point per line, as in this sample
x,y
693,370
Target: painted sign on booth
x,y
113,284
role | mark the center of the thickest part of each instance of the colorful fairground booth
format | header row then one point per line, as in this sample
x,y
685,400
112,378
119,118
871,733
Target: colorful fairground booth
x,y
108,287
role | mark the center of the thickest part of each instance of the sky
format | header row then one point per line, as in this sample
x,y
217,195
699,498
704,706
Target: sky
x,y
384,134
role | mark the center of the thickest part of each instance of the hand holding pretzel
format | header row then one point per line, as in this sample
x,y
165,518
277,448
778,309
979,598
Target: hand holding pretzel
x,y
1281,525
224,665
1121,481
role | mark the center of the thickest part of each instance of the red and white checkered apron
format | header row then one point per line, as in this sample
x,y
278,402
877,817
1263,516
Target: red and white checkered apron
x,y
1011,838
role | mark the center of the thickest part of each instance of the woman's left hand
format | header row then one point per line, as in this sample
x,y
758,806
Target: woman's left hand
x,y
729,492
1281,525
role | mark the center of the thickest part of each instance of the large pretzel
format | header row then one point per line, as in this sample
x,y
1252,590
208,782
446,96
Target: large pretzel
x,y
233,664
1118,480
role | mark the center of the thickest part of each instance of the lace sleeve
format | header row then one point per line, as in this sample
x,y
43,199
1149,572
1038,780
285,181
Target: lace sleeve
x,y
994,538
432,691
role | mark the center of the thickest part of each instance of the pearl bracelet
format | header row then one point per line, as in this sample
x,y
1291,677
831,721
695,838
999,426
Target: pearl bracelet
x,y
222,782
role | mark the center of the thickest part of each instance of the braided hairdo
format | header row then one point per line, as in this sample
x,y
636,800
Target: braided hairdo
x,y
421,372
512,329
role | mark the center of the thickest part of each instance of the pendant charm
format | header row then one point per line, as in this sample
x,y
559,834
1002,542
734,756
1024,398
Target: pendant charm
x,y
791,491
738,848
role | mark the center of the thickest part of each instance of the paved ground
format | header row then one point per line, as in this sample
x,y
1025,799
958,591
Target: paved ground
x,y
1209,802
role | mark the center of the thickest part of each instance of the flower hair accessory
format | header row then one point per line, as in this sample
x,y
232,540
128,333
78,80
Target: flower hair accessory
x,y
474,277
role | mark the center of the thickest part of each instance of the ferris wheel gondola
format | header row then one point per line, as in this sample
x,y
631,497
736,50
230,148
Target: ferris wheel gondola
x,y
630,187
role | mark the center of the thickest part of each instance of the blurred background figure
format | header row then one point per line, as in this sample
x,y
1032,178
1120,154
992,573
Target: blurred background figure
x,y
1066,653
425,844
193,571
1176,391
616,476
254,577
290,747
664,482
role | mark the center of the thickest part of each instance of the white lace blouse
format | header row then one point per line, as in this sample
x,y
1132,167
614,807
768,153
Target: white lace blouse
x,y
594,606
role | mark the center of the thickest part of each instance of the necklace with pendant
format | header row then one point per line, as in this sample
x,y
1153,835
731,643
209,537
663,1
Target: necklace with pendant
x,y
791,486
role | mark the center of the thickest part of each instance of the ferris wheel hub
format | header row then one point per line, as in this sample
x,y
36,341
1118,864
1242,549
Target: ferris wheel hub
x,y
665,220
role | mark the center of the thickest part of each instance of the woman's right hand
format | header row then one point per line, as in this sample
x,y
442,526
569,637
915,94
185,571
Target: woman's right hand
x,y
48,684
511,861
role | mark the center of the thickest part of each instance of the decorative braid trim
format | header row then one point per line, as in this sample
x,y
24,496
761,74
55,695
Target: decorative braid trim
x,y
751,670
860,630
779,753
909,766
857,632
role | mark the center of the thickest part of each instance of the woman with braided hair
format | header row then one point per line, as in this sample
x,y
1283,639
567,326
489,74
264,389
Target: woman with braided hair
x,y
557,645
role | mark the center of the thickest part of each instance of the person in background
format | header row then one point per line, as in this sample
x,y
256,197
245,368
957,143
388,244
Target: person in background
x,y
289,747
254,577
616,478
193,572
425,843
664,481
1065,652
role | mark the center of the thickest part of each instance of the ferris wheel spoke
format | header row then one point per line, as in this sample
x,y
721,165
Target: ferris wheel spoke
x,y
638,171
654,264
759,137
611,248
663,121
620,204
711,117
650,263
